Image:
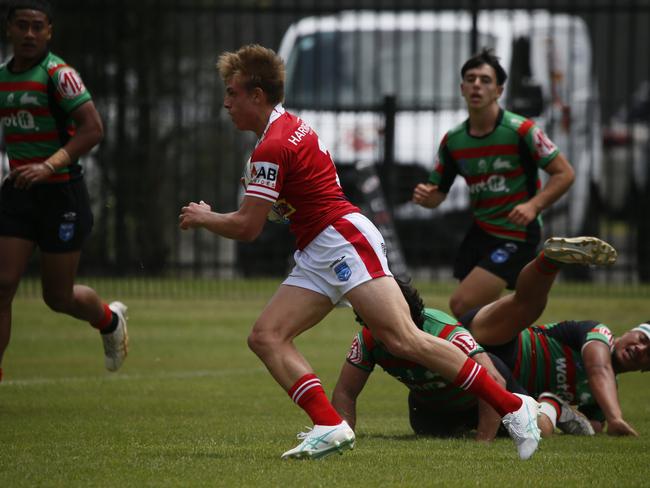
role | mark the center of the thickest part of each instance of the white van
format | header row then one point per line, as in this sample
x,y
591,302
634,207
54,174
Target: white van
x,y
340,67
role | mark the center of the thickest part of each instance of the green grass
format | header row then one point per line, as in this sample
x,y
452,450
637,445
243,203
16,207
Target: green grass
x,y
192,406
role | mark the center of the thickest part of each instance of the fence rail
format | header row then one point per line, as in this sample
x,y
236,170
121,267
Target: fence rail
x,y
150,68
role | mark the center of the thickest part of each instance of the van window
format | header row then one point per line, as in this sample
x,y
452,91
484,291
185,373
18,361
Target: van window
x,y
343,70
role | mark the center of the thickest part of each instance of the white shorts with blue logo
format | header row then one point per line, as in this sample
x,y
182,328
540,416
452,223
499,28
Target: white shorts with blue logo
x,y
344,255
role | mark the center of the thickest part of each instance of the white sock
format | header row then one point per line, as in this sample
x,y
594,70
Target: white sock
x,y
549,410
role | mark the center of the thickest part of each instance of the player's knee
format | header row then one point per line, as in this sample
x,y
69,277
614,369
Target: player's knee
x,y
399,345
8,289
458,306
261,340
57,302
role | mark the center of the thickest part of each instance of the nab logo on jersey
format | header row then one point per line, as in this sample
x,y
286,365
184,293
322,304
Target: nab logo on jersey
x,y
265,174
69,83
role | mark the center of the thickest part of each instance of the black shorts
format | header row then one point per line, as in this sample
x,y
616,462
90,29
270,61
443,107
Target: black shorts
x,y
427,421
56,216
500,257
505,353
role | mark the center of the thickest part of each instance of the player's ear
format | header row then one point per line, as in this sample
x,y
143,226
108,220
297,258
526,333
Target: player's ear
x,y
259,96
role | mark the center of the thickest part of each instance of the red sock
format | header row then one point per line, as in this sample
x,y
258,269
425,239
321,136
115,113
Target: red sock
x,y
0,374
106,320
546,265
309,395
475,379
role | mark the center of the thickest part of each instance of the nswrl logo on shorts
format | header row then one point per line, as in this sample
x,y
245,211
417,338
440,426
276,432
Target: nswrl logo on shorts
x,y
66,231
500,256
343,271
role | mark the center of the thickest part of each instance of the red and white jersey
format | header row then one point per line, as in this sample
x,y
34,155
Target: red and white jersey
x,y
291,168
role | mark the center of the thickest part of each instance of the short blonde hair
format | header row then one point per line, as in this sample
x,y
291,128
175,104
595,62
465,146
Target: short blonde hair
x,y
260,66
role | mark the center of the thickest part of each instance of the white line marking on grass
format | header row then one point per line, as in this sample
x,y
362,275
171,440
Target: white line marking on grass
x,y
177,375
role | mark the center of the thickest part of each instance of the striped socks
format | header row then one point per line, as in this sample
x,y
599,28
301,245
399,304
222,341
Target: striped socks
x,y
475,379
309,395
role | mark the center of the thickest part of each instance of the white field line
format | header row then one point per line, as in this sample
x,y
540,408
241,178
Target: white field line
x,y
178,375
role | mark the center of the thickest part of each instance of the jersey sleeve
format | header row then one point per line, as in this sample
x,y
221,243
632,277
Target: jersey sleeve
x,y
265,171
359,354
69,87
577,334
540,146
444,169
463,340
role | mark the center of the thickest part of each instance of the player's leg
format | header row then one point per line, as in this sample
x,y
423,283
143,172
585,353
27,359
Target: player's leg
x,y
61,294
485,266
14,256
380,304
291,311
501,320
476,289
560,414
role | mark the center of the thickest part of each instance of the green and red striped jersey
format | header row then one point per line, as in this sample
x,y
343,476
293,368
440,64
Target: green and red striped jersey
x,y
549,358
501,171
35,107
427,385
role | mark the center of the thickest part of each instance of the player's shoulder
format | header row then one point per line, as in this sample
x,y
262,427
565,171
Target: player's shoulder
x,y
513,122
455,133
52,64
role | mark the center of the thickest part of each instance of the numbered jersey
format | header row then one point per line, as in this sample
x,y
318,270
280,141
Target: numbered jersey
x,y
35,107
290,167
501,171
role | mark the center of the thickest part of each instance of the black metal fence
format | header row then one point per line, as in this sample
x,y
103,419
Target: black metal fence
x,y
581,68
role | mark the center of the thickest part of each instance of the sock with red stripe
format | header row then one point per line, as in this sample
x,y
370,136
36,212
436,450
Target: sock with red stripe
x,y
474,378
550,408
547,265
108,323
309,395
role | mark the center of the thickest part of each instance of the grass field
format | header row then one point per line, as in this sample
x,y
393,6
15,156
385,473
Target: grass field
x,y
192,406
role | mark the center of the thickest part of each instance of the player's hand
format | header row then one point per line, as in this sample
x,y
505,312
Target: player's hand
x,y
523,214
424,194
193,215
25,176
620,427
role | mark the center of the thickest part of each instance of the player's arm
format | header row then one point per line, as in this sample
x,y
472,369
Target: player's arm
x,y
89,132
561,176
245,224
348,387
488,419
602,382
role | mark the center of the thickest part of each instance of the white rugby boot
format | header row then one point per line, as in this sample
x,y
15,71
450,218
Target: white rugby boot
x,y
321,441
522,426
580,250
116,343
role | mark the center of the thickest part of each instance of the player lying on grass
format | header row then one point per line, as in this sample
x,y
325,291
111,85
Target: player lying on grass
x,y
437,407
568,362
341,257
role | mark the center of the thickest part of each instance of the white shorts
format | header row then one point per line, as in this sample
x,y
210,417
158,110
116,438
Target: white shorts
x,y
344,255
